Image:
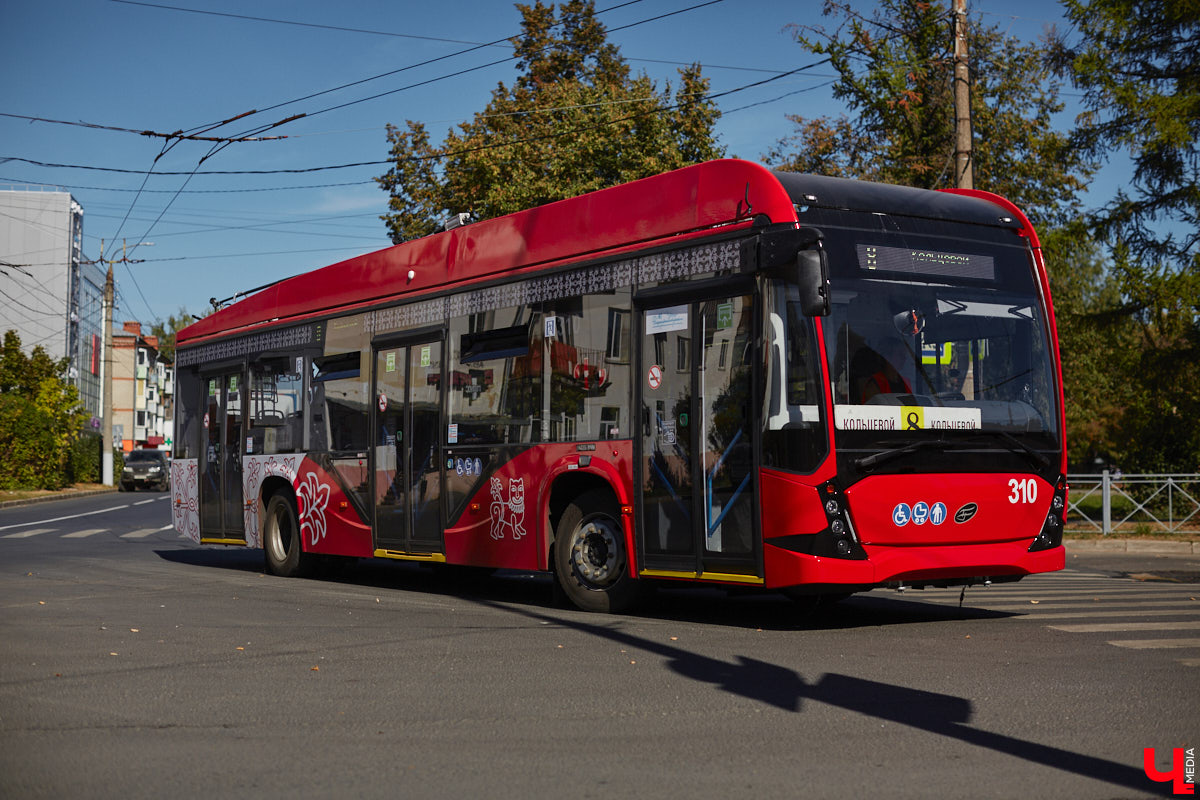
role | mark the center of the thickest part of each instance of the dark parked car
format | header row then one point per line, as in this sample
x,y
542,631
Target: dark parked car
x,y
146,468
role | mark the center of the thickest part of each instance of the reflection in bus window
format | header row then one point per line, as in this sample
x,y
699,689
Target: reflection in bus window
x,y
339,403
495,378
589,367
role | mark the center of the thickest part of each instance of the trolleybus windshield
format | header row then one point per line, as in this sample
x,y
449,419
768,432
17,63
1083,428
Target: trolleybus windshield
x,y
939,338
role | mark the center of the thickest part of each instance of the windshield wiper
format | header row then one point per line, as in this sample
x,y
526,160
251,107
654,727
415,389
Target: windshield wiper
x,y
1015,445
875,459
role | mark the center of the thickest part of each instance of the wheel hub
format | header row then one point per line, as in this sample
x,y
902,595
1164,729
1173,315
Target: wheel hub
x,y
594,554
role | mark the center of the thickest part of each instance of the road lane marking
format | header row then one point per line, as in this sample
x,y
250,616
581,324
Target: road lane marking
x,y
84,534
1035,615
1133,598
27,534
144,502
142,534
1189,662
60,519
1126,627
1156,644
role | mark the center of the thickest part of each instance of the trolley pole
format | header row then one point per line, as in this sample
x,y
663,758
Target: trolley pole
x,y
963,169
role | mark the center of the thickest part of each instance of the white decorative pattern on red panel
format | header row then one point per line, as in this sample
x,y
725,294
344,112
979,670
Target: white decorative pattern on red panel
x,y
185,497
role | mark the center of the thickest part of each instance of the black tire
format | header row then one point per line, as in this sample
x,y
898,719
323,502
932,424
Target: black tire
x,y
282,548
590,558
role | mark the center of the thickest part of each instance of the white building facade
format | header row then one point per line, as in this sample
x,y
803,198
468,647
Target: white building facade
x,y
48,294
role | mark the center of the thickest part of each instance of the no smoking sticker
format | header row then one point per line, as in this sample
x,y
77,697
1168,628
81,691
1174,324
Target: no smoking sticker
x,y
654,377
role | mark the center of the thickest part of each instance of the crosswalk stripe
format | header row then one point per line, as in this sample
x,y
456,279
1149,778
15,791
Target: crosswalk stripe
x,y
84,534
28,533
1156,644
1004,604
142,534
1079,594
1035,615
1125,627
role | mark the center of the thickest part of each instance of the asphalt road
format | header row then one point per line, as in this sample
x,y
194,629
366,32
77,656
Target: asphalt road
x,y
138,665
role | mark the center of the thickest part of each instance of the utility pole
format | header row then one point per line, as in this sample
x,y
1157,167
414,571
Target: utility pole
x,y
106,449
964,173
106,377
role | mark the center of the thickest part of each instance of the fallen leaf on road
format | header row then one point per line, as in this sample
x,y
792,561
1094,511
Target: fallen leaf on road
x,y
315,669
1034,602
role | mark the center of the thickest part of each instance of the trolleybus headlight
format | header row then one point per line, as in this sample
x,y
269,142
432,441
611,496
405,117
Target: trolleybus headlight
x,y
1052,529
838,538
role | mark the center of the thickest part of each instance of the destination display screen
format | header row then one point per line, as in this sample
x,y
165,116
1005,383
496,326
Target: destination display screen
x,y
913,261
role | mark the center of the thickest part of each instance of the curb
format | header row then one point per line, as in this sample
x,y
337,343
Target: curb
x,y
1133,546
51,498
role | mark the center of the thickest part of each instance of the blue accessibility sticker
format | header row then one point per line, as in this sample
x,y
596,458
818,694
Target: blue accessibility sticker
x,y
937,513
920,513
901,514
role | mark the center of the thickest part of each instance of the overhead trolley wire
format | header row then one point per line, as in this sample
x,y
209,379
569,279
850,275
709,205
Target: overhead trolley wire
x,y
446,154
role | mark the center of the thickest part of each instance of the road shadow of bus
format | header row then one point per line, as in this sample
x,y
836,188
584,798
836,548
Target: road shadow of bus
x,y
689,603
787,690
531,596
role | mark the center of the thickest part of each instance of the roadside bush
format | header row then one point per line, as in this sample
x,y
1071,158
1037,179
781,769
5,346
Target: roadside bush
x,y
84,464
29,445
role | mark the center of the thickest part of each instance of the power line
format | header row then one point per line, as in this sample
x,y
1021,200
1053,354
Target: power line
x,y
77,187
448,154
292,22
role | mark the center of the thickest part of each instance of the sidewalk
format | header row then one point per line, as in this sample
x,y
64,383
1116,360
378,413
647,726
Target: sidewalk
x,y
1141,547
50,497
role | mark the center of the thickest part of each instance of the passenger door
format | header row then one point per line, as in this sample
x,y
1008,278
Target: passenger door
x,y
407,477
221,505
697,488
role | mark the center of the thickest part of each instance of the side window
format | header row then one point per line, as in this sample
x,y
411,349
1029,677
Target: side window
x,y
277,405
793,432
495,377
339,403
589,367
189,410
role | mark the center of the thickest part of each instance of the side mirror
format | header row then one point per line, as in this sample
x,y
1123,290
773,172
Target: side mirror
x,y
812,277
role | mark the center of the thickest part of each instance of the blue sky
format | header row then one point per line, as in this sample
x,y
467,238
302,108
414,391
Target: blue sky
x,y
144,66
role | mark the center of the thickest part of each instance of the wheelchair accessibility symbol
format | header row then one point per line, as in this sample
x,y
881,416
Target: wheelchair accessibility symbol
x,y
901,514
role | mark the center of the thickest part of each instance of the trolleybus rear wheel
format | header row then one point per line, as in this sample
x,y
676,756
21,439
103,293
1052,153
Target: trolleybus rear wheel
x,y
282,548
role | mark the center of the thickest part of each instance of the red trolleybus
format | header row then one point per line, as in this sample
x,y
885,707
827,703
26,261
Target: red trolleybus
x,y
720,374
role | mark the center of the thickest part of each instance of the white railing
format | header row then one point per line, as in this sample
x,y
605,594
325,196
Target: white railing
x,y
1113,503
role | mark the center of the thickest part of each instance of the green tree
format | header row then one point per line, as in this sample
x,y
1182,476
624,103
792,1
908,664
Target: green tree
x,y
895,76
1138,63
1097,341
40,418
166,330
574,121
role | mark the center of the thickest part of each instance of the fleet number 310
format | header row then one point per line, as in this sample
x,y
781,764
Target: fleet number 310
x,y
1022,490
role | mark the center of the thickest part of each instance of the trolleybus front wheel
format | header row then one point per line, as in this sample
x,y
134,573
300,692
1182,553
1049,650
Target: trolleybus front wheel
x,y
590,561
281,538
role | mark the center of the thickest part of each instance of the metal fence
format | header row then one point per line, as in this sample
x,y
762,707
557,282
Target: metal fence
x,y
1115,503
